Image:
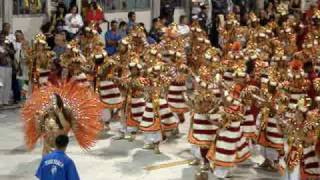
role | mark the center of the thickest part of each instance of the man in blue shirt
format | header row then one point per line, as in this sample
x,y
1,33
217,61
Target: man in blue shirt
x,y
57,165
112,38
132,20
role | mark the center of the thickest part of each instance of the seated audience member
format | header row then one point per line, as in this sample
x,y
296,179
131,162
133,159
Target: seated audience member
x,y
95,15
123,29
57,20
6,30
155,31
58,165
73,22
150,40
203,17
132,20
112,38
163,21
45,29
183,26
60,44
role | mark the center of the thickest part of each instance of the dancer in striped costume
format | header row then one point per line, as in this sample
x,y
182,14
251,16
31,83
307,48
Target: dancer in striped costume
x,y
73,64
107,87
177,89
134,104
310,163
301,160
229,62
157,118
270,135
173,52
231,146
274,107
205,115
39,59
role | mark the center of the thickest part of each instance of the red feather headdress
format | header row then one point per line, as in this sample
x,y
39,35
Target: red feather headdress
x,y
84,112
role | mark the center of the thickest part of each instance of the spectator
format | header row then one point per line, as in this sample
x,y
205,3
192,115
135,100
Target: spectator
x,y
214,34
167,10
310,12
5,70
195,8
18,62
57,165
183,26
150,40
155,31
270,11
203,17
123,26
57,20
112,38
95,16
263,18
20,46
60,44
132,20
219,7
6,30
45,29
163,21
73,22
252,5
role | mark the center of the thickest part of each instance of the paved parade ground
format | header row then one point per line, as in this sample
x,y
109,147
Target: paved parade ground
x,y
109,159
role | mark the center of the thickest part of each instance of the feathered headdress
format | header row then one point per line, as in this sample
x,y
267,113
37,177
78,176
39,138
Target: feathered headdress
x,y
81,107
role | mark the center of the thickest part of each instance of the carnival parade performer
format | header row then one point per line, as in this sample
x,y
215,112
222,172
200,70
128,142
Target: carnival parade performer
x,y
39,60
55,110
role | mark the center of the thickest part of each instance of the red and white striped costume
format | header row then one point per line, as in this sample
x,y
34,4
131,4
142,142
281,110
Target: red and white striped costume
x,y
231,147
137,106
271,136
165,122
203,129
110,94
310,162
228,77
249,125
175,97
294,98
302,163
